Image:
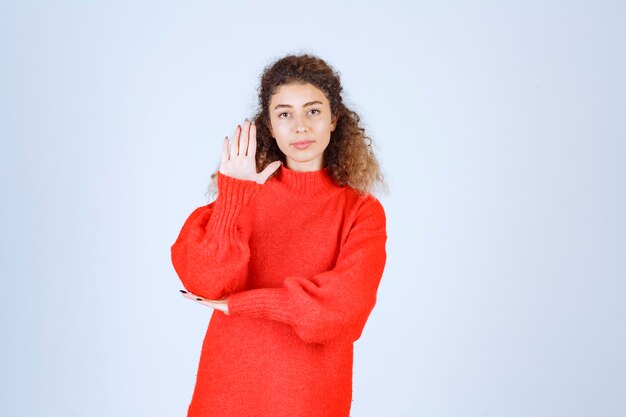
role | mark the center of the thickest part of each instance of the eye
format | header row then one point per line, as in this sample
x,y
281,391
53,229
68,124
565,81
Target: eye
x,y
318,112
279,116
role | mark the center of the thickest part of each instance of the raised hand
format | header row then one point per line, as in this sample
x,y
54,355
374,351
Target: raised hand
x,y
238,156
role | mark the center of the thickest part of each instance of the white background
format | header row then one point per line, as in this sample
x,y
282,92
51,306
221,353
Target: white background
x,y
500,129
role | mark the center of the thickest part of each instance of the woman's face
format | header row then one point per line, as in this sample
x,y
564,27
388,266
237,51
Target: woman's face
x,y
301,113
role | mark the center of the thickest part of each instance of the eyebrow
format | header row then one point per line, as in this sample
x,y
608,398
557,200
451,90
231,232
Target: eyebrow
x,y
304,105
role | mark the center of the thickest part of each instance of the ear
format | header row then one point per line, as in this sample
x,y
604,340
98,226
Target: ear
x,y
333,125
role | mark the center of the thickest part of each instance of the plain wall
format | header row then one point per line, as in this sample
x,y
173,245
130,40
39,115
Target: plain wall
x,y
500,129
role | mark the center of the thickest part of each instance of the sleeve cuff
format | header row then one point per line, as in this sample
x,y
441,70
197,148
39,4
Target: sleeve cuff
x,y
262,303
233,195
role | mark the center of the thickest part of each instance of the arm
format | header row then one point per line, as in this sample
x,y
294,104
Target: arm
x,y
332,306
211,252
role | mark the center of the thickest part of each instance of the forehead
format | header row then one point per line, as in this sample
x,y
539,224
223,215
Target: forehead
x,y
297,94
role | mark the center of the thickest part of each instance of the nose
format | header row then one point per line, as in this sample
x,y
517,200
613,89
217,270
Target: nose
x,y
301,126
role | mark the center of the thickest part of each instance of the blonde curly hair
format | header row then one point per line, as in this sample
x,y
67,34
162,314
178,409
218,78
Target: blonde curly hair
x,y
349,155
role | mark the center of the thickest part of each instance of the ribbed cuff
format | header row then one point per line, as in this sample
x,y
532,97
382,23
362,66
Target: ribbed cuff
x,y
232,196
262,303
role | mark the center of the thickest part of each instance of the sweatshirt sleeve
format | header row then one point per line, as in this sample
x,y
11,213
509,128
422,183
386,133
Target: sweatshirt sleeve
x,y
211,252
330,307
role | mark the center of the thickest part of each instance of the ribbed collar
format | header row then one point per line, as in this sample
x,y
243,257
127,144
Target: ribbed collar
x,y
306,183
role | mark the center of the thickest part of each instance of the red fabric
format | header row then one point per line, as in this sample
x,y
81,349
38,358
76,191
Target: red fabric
x,y
299,259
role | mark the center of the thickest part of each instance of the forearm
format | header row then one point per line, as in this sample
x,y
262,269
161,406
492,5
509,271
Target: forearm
x,y
211,253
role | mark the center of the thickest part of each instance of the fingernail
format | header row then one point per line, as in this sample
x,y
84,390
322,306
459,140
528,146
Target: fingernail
x,y
253,122
183,291
199,299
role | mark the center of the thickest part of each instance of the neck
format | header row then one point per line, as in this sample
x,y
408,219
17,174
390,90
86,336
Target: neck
x,y
307,166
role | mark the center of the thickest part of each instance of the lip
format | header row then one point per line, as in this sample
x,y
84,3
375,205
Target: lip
x,y
302,144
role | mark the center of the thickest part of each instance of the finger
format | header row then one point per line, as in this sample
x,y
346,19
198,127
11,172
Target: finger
x,y
199,299
234,142
225,155
210,304
186,293
190,296
245,138
252,143
269,170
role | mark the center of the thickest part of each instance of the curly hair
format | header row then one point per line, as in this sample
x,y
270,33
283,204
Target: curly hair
x,y
349,155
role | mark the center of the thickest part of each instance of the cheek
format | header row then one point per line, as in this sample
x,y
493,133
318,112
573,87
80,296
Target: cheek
x,y
281,135
324,121
277,125
280,131
323,124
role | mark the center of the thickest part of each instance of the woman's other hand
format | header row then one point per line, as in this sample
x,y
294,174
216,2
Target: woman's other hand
x,y
221,305
238,156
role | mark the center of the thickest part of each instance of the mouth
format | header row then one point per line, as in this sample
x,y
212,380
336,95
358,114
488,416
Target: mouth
x,y
302,144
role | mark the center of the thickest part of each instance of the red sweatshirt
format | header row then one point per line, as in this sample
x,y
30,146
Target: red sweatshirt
x,y
299,259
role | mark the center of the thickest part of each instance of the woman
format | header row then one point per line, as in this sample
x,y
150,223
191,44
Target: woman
x,y
290,254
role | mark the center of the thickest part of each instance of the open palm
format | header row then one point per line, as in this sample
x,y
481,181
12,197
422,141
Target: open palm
x,y
239,156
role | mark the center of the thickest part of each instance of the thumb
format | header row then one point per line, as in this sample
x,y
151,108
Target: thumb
x,y
269,170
